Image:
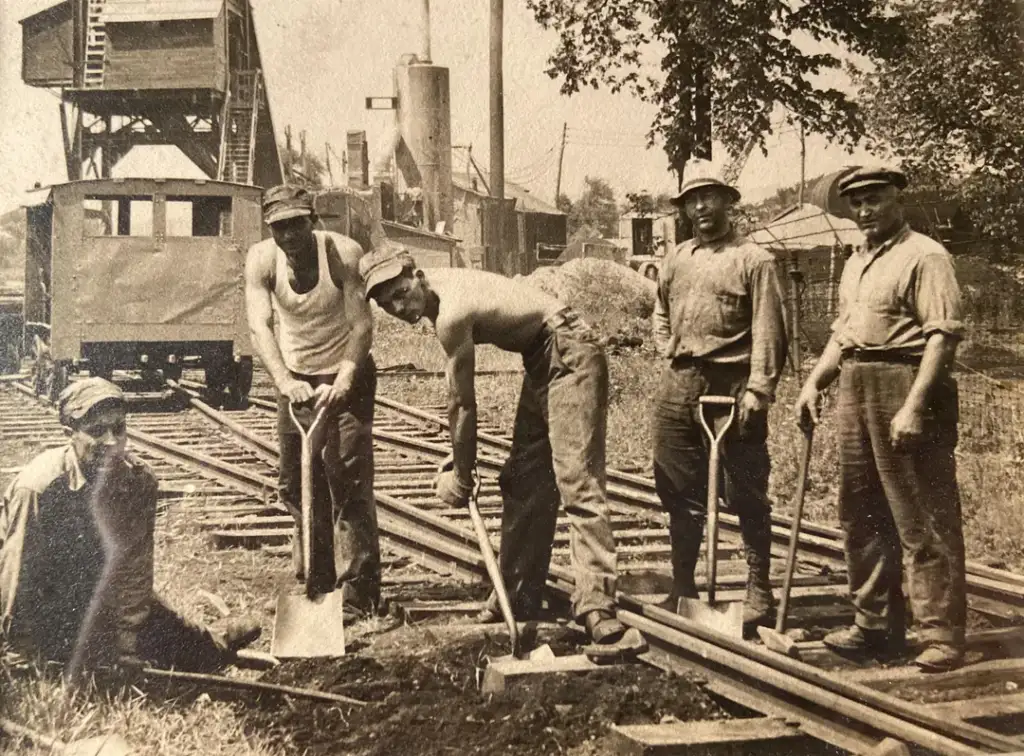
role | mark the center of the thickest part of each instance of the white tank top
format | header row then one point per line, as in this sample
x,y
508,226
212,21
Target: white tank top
x,y
311,328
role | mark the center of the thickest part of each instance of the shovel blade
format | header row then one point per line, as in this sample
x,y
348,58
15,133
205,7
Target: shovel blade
x,y
539,654
725,617
309,627
101,745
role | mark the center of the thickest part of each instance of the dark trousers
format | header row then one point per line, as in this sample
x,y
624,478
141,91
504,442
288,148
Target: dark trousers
x,y
558,457
165,639
900,509
346,545
681,458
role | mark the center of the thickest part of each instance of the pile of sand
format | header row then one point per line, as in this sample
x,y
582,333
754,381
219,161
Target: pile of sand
x,y
614,298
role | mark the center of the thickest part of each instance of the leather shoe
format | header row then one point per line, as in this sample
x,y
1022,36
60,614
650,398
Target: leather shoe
x,y
857,640
241,633
940,657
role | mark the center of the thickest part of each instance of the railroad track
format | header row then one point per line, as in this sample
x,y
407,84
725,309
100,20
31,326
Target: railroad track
x,y
224,464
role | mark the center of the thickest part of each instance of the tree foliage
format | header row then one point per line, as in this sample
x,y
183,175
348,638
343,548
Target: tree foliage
x,y
303,169
733,59
950,110
596,208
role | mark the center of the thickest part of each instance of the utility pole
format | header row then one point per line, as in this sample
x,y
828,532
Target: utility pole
x,y
425,43
327,163
561,154
803,163
497,125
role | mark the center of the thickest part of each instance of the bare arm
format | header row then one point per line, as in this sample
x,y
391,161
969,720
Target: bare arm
x,y
344,266
260,314
457,340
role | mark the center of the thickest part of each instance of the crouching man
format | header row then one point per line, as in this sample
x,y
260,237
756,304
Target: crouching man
x,y
76,555
558,445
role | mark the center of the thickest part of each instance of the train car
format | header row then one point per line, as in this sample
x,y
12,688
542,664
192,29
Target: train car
x,y
141,274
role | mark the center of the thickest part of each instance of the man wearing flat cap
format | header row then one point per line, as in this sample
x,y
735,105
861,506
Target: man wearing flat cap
x,y
76,554
312,328
720,326
558,444
892,346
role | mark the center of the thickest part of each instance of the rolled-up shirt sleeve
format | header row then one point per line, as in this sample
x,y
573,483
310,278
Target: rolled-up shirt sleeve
x,y
768,338
937,296
661,322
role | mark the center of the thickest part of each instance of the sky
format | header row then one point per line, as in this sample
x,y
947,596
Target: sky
x,y
322,58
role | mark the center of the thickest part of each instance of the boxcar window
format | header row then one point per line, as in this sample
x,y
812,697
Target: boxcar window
x,y
198,216
118,216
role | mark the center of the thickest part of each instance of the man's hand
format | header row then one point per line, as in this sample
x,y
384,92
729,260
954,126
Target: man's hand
x,y
331,395
906,428
808,406
451,490
296,391
751,405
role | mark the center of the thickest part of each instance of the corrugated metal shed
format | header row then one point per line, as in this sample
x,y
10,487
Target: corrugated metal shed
x,y
129,11
525,202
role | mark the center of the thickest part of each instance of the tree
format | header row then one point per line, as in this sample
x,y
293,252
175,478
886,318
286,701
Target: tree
x,y
950,110
563,203
728,61
596,207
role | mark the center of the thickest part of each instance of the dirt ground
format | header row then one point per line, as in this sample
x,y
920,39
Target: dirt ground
x,y
427,701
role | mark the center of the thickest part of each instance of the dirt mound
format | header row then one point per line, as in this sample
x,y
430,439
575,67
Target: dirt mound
x,y
614,298
431,704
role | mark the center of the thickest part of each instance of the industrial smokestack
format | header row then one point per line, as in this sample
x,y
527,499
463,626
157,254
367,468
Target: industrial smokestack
x,y
425,46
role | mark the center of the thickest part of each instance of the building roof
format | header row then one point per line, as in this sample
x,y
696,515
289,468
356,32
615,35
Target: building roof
x,y
50,11
525,202
806,227
129,11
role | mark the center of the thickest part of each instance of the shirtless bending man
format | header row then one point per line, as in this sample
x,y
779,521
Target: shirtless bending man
x,y
558,445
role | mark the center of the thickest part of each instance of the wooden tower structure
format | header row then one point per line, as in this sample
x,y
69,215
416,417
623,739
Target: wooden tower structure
x,y
185,73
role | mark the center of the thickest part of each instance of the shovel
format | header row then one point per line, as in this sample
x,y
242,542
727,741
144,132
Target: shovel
x,y
494,573
308,625
723,617
776,639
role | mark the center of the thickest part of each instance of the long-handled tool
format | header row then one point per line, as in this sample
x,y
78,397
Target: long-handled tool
x,y
776,638
494,573
309,625
724,617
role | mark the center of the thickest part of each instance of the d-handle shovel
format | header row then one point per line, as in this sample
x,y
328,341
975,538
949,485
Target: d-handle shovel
x,y
309,625
776,638
724,617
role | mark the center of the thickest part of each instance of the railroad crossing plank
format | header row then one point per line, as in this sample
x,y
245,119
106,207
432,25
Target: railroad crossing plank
x,y
713,737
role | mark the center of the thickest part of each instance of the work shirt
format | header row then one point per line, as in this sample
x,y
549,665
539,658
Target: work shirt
x,y
76,557
892,297
720,302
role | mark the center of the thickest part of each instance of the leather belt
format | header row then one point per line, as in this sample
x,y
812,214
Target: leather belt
x,y
880,355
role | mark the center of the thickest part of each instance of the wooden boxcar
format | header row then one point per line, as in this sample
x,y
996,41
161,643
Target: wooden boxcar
x,y
141,274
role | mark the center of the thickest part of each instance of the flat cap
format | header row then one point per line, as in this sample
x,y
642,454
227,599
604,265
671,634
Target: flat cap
x,y
381,265
81,397
286,201
699,183
871,175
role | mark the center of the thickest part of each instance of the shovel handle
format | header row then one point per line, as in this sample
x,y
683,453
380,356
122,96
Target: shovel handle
x,y
306,528
493,570
715,437
794,533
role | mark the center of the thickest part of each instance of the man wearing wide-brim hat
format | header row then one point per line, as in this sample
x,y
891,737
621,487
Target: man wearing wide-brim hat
x,y
892,346
76,554
312,328
720,326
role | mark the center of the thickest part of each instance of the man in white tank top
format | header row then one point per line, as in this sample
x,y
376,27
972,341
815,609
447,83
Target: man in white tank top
x,y
312,327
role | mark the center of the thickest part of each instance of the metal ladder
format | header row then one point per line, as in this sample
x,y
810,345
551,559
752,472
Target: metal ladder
x,y
239,128
95,46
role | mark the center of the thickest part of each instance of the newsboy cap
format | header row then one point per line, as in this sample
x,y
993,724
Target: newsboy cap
x,y
81,397
699,183
871,175
286,201
381,265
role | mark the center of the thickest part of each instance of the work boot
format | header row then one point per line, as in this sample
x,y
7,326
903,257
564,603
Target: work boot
x,y
759,605
685,534
240,633
856,640
940,657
